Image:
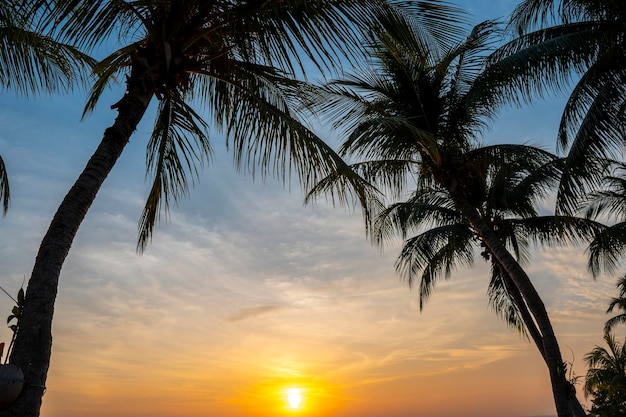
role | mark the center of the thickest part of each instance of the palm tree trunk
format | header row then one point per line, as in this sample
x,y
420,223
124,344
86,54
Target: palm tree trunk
x,y
566,404
33,345
526,316
537,337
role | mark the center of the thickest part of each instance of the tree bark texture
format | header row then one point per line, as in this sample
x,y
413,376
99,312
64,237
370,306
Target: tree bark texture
x,y
566,403
33,344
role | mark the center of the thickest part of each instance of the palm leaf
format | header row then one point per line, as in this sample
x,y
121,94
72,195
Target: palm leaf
x,y
105,72
433,255
503,301
177,148
607,249
31,63
420,212
611,198
5,192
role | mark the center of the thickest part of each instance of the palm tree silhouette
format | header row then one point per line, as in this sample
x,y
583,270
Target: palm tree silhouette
x,y
618,303
414,120
606,378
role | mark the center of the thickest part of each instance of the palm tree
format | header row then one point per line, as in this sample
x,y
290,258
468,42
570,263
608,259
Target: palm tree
x,y
606,378
417,114
437,237
576,42
32,63
235,60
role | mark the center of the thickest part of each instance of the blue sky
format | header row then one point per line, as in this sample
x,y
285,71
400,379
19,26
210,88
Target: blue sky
x,y
244,289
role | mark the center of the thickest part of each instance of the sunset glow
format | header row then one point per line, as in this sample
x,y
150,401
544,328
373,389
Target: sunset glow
x,y
294,397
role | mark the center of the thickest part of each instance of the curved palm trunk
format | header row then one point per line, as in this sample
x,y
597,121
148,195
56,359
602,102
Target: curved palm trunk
x,y
531,325
566,404
33,345
527,318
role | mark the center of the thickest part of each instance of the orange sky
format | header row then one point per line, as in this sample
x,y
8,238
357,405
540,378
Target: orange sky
x,y
356,346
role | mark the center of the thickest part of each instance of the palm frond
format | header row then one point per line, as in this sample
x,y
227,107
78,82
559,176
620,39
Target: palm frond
x,y
346,187
535,65
594,95
532,14
105,72
504,302
621,286
424,22
420,212
31,63
582,39
557,230
390,177
89,24
607,249
5,191
620,304
178,147
516,177
471,55
598,138
606,366
611,198
265,135
433,255
379,129
391,134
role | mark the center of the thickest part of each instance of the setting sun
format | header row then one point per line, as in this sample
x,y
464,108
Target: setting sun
x,y
294,397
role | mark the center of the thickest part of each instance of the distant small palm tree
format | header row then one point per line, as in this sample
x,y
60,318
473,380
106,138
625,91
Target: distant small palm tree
x,y
618,303
606,378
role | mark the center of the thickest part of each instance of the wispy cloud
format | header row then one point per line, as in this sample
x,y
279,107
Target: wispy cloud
x,y
252,312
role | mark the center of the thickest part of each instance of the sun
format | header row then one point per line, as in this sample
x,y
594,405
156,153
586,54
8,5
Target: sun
x,y
294,398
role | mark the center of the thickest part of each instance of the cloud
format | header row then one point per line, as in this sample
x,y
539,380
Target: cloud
x,y
252,312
